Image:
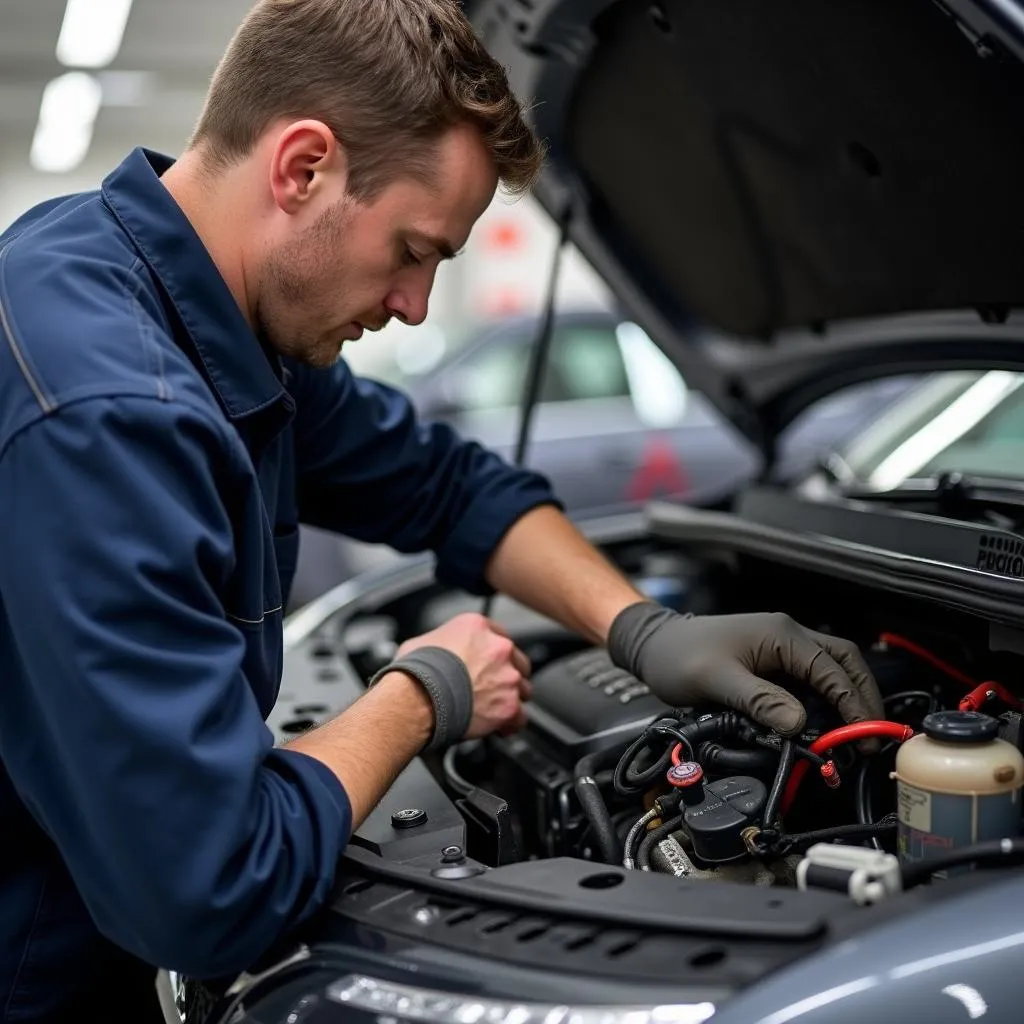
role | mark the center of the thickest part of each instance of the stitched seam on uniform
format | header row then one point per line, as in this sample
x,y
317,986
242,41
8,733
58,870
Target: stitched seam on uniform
x,y
5,324
150,347
106,394
28,947
255,622
30,229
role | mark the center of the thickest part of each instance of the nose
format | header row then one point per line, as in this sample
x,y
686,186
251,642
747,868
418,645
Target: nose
x,y
409,303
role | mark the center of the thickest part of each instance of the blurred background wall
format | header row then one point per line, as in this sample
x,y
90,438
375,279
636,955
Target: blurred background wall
x,y
84,81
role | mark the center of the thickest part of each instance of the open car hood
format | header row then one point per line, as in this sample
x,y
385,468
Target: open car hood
x,y
789,195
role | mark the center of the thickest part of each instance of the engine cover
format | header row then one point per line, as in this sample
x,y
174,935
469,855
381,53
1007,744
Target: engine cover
x,y
582,702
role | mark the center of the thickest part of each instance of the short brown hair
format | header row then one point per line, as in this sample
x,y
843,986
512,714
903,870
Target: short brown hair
x,y
388,77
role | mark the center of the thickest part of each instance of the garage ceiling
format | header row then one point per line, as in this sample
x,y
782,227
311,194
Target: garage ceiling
x,y
152,90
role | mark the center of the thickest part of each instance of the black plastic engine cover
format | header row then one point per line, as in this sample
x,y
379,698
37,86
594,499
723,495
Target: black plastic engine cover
x,y
716,824
583,702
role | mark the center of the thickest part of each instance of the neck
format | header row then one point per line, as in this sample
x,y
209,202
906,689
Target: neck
x,y
207,201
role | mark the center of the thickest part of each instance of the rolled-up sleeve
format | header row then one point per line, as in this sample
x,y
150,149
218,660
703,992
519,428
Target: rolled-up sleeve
x,y
370,469
129,728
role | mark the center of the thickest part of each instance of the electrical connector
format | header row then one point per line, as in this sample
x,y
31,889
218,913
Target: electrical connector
x,y
867,876
830,773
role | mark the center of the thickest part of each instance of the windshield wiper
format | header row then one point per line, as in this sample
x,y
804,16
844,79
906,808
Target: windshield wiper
x,y
951,493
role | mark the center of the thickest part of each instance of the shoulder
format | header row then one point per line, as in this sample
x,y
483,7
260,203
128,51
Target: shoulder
x,y
80,316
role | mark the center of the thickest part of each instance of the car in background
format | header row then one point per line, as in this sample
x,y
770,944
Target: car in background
x,y
616,425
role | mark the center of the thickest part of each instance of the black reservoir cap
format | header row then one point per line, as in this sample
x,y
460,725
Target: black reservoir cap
x,y
961,726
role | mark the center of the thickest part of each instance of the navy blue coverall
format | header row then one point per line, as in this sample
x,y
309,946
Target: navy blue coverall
x,y
155,462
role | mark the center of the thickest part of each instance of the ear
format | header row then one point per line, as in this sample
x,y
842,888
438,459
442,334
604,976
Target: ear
x,y
307,164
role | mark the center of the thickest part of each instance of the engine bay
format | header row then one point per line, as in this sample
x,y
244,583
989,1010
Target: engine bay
x,y
606,773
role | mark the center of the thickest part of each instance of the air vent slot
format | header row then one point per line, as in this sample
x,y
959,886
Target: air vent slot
x,y
580,941
462,916
497,925
622,948
535,931
708,958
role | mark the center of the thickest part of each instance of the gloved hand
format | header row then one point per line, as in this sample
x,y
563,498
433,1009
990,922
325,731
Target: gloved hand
x,y
687,660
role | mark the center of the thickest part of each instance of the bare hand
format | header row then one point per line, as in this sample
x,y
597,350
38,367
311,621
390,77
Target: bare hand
x,y
499,670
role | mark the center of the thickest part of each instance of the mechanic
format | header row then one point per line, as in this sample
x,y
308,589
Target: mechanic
x,y
172,404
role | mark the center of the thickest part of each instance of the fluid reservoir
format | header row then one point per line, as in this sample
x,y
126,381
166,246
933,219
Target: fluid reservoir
x,y
957,784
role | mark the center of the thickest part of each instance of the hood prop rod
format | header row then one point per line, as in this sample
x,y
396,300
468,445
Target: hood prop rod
x,y
539,349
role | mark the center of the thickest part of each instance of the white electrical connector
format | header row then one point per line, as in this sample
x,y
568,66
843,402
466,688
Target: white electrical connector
x,y
865,875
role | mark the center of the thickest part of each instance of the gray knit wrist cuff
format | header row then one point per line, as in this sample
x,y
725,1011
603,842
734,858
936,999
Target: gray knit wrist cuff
x,y
446,680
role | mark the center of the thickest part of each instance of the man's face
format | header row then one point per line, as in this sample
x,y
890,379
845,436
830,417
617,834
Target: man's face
x,y
357,264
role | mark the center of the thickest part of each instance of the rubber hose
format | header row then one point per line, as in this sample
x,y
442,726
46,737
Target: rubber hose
x,y
585,783
596,811
771,807
630,780
625,762
742,762
653,837
628,860
1006,850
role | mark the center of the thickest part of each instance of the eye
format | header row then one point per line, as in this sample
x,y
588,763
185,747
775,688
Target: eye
x,y
409,258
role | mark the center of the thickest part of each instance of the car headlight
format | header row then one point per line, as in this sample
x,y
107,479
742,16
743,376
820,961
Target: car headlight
x,y
412,1003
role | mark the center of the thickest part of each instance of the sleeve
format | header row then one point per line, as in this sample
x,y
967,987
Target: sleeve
x,y
129,729
370,469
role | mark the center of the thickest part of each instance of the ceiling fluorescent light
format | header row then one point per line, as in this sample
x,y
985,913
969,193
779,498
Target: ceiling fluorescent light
x,y
66,118
91,33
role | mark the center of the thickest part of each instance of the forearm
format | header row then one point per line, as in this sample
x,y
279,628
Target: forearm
x,y
547,564
369,744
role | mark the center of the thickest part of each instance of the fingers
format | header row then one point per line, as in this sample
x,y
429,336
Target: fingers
x,y
760,700
521,662
514,724
802,657
853,664
525,689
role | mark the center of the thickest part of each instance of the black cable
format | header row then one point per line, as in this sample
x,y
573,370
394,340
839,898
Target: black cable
x,y
452,775
786,760
782,844
863,800
808,755
653,837
913,695
538,359
775,743
630,780
661,727
862,794
1008,851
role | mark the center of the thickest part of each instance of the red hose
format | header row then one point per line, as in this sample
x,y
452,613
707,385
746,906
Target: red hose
x,y
980,694
837,737
895,640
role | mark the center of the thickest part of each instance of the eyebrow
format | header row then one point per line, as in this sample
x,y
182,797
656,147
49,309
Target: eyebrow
x,y
442,245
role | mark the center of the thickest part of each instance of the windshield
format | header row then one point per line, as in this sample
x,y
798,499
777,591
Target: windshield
x,y
968,422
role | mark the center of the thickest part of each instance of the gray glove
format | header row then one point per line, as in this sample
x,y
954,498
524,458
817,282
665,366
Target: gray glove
x,y
687,660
